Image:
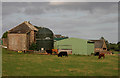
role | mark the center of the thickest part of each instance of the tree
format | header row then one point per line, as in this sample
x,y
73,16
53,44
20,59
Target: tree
x,y
32,46
5,34
102,38
118,45
37,27
113,46
107,44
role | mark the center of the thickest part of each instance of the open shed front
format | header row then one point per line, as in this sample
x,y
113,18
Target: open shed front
x,y
78,46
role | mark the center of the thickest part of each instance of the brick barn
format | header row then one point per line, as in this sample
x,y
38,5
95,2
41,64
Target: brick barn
x,y
21,36
100,45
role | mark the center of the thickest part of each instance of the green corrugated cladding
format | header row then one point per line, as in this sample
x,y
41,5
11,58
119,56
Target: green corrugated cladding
x,y
79,46
90,48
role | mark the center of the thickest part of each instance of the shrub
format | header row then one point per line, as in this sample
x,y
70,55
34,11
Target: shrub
x,y
33,46
5,34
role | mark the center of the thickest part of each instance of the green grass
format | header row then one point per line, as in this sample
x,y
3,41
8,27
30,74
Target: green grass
x,y
116,52
14,64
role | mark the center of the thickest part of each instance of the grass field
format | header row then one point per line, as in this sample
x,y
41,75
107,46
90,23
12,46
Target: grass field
x,y
14,64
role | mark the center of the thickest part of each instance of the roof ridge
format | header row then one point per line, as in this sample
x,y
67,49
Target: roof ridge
x,y
30,25
15,27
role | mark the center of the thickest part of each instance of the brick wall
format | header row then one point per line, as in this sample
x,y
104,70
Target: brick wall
x,y
4,41
32,37
28,40
100,50
17,42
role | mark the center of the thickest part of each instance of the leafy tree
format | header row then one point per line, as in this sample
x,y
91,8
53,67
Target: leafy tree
x,y
118,45
5,34
37,27
113,46
102,38
32,46
107,44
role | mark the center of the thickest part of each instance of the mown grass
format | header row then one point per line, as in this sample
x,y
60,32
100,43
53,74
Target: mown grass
x,y
14,64
116,52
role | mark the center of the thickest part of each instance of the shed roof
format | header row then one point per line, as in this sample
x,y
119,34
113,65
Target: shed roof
x,y
98,43
23,28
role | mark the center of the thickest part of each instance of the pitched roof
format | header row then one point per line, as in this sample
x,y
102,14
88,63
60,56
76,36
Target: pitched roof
x,y
23,28
31,26
98,43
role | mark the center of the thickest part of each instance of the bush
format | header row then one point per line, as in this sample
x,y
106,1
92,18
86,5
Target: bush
x,y
33,46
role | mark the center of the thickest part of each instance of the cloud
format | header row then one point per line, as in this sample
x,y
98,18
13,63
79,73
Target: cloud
x,y
60,1
44,7
75,19
0,19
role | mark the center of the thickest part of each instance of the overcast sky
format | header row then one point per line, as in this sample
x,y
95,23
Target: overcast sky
x,y
86,20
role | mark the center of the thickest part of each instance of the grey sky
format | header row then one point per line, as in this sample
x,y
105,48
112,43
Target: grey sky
x,y
60,0
0,18
87,20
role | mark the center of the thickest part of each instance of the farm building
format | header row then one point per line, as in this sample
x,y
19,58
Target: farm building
x,y
44,39
100,45
4,41
76,45
21,36
59,37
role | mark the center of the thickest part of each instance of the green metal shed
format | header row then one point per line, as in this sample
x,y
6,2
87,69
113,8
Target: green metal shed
x,y
78,46
44,39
